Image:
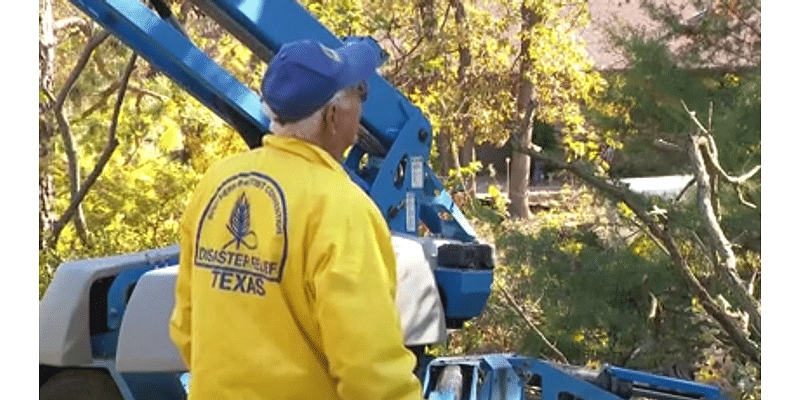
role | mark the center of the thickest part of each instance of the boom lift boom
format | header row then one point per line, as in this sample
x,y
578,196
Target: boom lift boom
x,y
103,322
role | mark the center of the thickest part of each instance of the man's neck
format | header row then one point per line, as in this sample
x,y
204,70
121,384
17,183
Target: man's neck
x,y
314,139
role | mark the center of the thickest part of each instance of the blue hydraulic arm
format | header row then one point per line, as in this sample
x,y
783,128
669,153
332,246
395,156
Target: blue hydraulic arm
x,y
511,377
390,158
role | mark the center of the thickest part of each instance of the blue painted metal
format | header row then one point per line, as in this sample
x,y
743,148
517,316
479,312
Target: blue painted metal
x,y
664,383
104,344
156,385
503,382
470,373
465,291
505,376
275,22
120,291
121,288
555,381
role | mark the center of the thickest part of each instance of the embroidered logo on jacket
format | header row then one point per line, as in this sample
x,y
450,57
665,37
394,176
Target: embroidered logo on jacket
x,y
242,234
239,225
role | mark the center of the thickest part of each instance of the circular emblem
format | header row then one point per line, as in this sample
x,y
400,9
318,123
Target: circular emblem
x,y
243,230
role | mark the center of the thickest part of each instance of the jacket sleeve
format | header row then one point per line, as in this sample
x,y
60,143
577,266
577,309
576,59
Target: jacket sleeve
x,y
181,319
353,301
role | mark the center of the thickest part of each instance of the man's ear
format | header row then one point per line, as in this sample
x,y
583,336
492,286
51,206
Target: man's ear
x,y
329,114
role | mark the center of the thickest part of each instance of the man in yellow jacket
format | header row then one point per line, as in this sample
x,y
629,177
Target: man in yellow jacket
x,y
286,283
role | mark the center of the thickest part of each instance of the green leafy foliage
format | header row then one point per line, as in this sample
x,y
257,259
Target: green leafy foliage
x,y
166,140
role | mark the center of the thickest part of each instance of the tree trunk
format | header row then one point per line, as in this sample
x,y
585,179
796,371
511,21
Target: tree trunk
x,y
519,179
447,159
47,194
467,155
427,12
46,132
520,176
467,151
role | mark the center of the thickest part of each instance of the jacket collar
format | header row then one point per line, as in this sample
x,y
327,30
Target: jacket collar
x,y
302,148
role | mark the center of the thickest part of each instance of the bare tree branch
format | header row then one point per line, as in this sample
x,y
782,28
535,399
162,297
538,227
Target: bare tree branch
x,y
693,116
95,41
107,92
707,254
708,148
511,302
665,145
751,285
70,22
101,66
105,156
66,134
648,233
685,188
711,151
744,201
710,118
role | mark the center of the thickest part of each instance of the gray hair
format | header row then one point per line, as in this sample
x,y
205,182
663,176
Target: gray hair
x,y
308,127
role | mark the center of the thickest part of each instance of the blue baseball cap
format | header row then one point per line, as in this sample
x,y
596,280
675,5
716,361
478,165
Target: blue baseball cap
x,y
304,75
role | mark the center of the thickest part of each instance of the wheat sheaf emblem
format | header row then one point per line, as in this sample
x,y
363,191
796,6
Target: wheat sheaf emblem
x,y
239,225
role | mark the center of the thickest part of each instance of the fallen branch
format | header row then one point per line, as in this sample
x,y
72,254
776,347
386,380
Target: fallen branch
x,y
622,194
510,300
648,233
709,149
735,180
744,201
726,265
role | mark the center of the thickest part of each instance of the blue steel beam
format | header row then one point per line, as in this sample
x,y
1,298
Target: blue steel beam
x,y
169,50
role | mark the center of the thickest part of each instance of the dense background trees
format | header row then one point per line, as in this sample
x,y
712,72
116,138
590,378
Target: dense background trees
x,y
665,284
602,276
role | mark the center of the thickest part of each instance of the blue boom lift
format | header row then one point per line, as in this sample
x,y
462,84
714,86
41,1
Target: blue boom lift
x,y
103,322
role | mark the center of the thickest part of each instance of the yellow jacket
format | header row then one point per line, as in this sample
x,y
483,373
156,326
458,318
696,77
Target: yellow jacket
x,y
286,283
